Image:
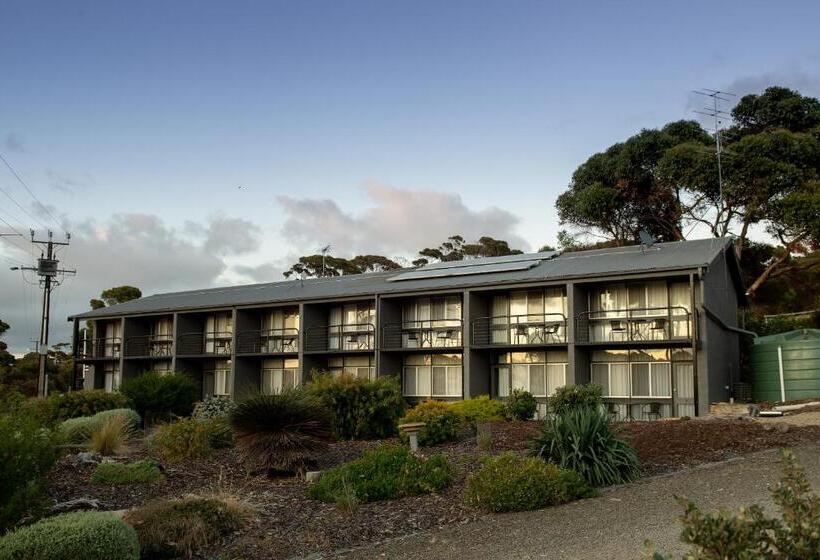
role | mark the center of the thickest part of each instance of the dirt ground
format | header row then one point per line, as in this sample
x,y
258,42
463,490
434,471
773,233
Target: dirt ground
x,y
288,523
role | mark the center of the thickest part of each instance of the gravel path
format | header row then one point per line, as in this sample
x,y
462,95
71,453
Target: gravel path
x,y
612,526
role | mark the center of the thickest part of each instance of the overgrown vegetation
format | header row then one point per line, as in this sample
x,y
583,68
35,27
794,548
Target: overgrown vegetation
x,y
89,402
281,432
191,438
79,430
385,473
509,482
361,408
581,439
750,534
442,423
479,409
520,405
90,535
139,472
158,396
185,527
572,397
218,406
110,437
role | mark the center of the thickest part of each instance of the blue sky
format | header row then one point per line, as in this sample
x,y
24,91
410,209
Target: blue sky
x,y
138,121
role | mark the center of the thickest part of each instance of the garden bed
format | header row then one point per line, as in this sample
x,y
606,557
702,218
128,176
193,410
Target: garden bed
x,y
288,523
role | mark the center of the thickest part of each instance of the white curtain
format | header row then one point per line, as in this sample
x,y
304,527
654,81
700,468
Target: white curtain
x,y
556,377
503,381
661,380
619,380
499,332
600,376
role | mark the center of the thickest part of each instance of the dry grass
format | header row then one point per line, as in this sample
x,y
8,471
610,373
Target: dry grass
x,y
112,435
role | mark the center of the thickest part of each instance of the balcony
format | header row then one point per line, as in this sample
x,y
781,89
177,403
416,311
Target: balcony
x,y
636,325
99,348
341,338
149,346
426,333
520,330
268,341
204,344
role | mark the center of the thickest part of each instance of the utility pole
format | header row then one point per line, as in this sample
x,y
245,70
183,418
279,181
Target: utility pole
x,y
48,270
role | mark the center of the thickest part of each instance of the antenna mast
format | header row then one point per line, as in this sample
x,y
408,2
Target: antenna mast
x,y
719,115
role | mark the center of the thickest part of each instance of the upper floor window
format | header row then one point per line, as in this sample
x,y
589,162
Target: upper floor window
x,y
352,327
431,322
529,317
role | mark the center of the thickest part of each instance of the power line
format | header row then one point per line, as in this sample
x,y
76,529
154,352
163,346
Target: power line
x,y
37,200
26,212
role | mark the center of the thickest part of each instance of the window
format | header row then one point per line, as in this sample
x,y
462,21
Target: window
x,y
279,375
218,333
280,331
634,373
436,375
431,322
219,380
357,366
540,373
112,377
352,327
529,317
161,366
113,339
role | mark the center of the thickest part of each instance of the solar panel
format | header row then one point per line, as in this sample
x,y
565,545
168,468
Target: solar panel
x,y
425,272
492,260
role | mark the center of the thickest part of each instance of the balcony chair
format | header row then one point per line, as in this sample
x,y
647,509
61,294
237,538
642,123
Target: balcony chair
x,y
550,331
617,326
658,326
651,411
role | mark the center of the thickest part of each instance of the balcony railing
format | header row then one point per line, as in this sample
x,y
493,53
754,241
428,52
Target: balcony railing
x,y
515,330
209,343
99,348
644,324
268,341
340,338
149,346
426,333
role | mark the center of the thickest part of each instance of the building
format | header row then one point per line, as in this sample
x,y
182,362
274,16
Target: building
x,y
654,326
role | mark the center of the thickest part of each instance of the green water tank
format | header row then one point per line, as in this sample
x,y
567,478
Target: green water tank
x,y
799,353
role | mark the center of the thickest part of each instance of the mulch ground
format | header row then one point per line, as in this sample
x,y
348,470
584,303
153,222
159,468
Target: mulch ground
x,y
288,523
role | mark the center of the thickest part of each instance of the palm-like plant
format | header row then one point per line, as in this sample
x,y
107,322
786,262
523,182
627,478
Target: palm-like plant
x,y
581,439
281,432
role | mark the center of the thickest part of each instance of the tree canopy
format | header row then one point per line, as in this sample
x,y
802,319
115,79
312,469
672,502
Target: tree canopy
x,y
115,295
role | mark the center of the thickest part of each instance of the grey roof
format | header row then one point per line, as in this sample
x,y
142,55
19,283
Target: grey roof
x,y
679,255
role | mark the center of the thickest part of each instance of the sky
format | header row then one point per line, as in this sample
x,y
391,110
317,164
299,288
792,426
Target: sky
x,y
190,144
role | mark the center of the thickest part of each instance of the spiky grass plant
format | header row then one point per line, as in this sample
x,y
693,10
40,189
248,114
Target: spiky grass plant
x,y
282,432
581,439
111,436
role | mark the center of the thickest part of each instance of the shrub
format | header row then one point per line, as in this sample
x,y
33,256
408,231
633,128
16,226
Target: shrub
x,y
90,535
750,534
281,432
571,397
191,438
219,406
360,408
111,435
479,409
27,454
442,423
139,472
582,440
79,430
174,528
521,405
387,472
75,404
161,396
509,482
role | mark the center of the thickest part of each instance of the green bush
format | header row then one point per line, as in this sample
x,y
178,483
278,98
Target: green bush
x,y
571,397
479,409
79,430
385,473
75,404
219,406
582,440
27,454
361,408
159,396
139,472
509,482
521,405
749,533
191,438
184,527
90,535
282,432
442,422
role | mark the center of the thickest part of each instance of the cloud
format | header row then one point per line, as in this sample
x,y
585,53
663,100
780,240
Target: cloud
x,y
397,222
13,142
64,183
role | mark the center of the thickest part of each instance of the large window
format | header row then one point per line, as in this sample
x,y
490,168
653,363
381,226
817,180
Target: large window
x,y
431,322
647,311
161,366
529,317
113,339
540,373
112,377
633,373
280,331
352,327
219,379
162,336
357,366
432,375
279,375
218,333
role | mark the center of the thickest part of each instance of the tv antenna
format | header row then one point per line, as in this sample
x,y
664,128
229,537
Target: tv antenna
x,y
719,116
647,239
324,251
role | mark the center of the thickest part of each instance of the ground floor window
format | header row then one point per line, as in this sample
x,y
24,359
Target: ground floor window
x,y
279,375
643,373
161,366
219,379
540,373
361,367
112,377
432,375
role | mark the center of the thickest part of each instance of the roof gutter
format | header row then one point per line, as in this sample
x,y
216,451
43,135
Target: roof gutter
x,y
711,314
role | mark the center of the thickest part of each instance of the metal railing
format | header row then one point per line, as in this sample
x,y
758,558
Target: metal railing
x,y
268,341
425,333
99,348
209,343
513,330
149,346
644,324
340,338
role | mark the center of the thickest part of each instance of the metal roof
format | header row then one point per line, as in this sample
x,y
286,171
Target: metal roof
x,y
673,256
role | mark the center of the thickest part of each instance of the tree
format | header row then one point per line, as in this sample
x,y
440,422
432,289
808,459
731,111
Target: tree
x,y
120,294
455,248
6,358
316,266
